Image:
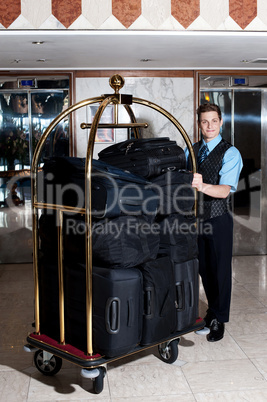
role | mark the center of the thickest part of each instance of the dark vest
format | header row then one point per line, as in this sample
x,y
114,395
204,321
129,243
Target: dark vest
x,y
210,207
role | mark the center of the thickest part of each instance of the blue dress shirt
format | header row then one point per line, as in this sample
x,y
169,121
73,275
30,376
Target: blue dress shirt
x,y
231,165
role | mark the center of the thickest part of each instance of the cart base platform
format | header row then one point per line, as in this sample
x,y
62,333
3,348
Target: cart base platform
x,y
76,356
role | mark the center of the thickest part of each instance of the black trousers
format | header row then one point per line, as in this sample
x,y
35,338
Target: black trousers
x,y
215,264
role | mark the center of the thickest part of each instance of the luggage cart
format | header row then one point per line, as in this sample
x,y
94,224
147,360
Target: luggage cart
x,y
49,352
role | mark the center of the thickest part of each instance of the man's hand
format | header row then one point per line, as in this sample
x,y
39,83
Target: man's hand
x,y
197,181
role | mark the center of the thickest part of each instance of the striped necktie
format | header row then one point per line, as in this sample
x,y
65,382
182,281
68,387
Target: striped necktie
x,y
203,153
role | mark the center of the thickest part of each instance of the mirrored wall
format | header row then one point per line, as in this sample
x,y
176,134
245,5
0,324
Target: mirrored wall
x,y
27,107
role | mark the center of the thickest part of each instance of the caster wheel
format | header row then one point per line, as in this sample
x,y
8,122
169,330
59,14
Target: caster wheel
x,y
48,367
168,351
98,382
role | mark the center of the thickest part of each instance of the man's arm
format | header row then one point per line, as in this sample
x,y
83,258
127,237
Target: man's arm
x,y
213,190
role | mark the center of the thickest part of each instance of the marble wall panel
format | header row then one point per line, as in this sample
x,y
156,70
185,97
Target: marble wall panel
x,y
156,11
134,14
126,11
36,12
262,10
96,11
66,11
175,95
9,11
243,11
185,11
215,12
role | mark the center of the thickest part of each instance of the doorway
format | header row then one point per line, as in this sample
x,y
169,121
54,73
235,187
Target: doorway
x,y
243,103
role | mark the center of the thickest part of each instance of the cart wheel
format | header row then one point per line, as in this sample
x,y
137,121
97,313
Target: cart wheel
x,y
99,380
47,367
168,351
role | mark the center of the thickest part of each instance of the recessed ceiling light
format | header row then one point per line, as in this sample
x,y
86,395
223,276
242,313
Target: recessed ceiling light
x,y
259,60
38,43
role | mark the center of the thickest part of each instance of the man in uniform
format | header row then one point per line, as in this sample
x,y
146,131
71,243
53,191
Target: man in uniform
x,y
218,169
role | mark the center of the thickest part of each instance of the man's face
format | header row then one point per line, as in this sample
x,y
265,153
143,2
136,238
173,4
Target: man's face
x,y
210,125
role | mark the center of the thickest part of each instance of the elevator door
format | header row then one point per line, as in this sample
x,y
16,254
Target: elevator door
x,y
24,116
244,126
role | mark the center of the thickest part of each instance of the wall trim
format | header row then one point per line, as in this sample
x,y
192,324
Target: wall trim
x,y
134,73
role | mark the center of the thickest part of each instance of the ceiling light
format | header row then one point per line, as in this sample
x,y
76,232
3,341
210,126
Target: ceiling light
x,y
145,60
39,42
259,60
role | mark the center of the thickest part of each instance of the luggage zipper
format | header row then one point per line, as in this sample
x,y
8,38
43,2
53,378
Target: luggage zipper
x,y
128,147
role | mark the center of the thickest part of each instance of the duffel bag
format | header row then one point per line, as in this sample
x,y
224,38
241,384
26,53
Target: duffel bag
x,y
175,192
124,242
178,237
147,157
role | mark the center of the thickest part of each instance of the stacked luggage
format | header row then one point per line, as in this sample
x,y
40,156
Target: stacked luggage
x,y
145,267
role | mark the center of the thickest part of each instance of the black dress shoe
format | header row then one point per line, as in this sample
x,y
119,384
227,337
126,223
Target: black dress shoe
x,y
208,318
216,331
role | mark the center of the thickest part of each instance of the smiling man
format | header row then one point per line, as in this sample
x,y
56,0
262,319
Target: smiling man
x,y
218,169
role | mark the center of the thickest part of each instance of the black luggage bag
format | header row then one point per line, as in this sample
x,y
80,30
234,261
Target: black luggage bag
x,y
124,242
114,191
178,237
147,157
117,309
159,320
187,293
175,192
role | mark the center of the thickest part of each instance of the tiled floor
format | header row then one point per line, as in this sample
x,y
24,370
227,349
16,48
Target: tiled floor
x,y
234,369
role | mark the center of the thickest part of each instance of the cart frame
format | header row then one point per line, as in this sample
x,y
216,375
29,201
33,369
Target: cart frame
x,y
88,359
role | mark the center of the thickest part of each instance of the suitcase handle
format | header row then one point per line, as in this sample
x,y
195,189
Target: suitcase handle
x,y
191,287
180,296
126,145
130,312
112,315
130,201
148,302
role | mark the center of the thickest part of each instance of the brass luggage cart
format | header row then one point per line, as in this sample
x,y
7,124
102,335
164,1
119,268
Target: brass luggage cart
x,y
48,352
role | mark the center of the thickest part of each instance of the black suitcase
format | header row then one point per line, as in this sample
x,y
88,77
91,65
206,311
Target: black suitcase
x,y
178,237
117,309
159,320
114,191
48,298
48,235
175,192
147,157
187,293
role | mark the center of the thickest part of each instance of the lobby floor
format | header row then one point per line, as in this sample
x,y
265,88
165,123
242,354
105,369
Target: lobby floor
x,y
234,369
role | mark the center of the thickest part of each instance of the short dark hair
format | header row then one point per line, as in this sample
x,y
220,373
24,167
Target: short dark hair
x,y
209,107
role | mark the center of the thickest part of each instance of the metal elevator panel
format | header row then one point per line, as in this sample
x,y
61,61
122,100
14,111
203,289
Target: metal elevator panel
x,y
245,126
